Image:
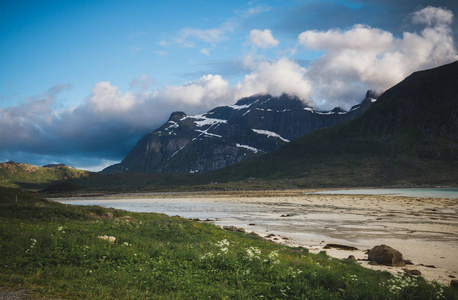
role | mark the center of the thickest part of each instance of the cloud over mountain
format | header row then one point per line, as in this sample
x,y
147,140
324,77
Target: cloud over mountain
x,y
362,57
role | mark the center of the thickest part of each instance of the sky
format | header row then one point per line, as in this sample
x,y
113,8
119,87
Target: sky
x,y
82,81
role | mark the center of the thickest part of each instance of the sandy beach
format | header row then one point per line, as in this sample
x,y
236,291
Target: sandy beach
x,y
424,230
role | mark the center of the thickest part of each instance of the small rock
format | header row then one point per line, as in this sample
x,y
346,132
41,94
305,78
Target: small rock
x,y
373,263
287,215
428,266
240,229
351,257
451,276
412,272
251,224
386,255
270,235
230,228
340,247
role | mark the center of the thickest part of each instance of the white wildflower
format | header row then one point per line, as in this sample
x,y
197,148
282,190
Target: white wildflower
x,y
253,253
222,243
207,255
110,239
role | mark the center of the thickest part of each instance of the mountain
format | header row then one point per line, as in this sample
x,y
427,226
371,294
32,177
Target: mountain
x,y
409,136
23,175
229,134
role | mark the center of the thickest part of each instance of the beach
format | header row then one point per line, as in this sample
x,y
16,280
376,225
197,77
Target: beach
x,y
424,230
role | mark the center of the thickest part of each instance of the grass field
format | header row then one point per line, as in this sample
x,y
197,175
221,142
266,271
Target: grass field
x,y
76,252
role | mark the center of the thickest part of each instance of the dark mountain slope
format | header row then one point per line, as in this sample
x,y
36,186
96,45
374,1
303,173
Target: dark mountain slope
x,y
228,134
409,136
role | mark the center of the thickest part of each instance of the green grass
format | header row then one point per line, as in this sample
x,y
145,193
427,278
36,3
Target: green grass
x,y
54,251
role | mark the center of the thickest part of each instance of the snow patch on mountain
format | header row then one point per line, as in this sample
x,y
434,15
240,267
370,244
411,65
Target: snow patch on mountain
x,y
201,120
247,147
239,107
270,134
205,132
172,125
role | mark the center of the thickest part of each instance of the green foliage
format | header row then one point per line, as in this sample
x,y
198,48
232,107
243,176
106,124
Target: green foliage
x,y
59,251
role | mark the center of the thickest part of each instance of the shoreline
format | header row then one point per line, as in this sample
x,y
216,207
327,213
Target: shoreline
x,y
424,230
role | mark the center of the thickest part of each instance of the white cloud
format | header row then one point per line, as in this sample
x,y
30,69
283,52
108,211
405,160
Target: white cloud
x,y
207,92
107,99
363,58
433,16
263,39
275,78
190,37
204,51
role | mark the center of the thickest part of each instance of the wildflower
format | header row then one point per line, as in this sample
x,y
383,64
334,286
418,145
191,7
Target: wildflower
x,y
127,244
253,253
222,243
273,256
207,255
110,239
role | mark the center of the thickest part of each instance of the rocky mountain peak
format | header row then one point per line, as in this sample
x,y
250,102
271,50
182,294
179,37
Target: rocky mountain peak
x,y
177,116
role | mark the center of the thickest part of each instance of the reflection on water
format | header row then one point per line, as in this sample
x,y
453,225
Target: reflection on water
x,y
450,193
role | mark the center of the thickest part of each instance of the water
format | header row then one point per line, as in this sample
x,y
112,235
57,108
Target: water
x,y
185,208
450,193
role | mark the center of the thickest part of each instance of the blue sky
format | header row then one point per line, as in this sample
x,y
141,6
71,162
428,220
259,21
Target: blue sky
x,y
81,81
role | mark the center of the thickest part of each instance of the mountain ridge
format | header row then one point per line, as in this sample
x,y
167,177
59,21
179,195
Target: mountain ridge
x,y
227,135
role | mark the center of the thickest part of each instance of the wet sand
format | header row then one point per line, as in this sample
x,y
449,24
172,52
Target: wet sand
x,y
424,230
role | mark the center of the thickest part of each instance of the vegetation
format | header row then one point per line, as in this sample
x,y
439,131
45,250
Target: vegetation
x,y
31,177
73,252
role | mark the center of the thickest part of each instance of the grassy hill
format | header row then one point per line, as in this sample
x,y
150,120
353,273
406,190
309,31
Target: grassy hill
x,y
33,177
408,137
55,251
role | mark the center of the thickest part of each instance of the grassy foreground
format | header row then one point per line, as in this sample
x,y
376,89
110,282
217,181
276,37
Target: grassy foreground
x,y
74,252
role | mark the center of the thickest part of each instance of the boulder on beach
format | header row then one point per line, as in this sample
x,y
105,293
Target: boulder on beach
x,y
386,255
